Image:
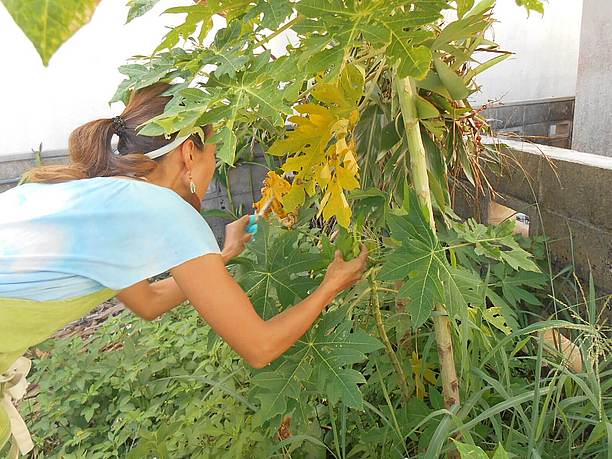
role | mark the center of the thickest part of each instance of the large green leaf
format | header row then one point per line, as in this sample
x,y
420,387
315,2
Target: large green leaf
x,y
270,13
236,92
278,274
49,23
416,262
422,263
390,25
497,243
322,360
452,82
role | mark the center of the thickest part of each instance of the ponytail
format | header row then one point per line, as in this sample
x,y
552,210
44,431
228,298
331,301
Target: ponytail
x,y
91,153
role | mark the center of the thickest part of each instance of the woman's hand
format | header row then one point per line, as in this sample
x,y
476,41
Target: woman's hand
x,y
342,274
236,238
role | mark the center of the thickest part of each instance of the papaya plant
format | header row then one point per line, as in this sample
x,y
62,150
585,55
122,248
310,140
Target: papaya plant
x,y
402,65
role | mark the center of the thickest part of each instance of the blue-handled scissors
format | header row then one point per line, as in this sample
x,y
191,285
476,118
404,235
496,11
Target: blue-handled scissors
x,y
252,226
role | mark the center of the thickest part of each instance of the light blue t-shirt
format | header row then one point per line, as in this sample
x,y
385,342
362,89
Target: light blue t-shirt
x,y
74,238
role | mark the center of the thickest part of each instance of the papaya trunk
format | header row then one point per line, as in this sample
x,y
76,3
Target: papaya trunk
x,y
407,94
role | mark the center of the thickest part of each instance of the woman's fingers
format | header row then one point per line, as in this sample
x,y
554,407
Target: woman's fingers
x,y
244,220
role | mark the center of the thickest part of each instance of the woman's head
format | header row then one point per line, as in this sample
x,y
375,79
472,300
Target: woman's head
x,y
91,153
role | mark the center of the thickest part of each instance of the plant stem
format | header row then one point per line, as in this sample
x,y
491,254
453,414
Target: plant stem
x,y
406,392
407,94
279,31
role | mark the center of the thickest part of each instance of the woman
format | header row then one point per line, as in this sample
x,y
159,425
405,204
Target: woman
x,y
75,236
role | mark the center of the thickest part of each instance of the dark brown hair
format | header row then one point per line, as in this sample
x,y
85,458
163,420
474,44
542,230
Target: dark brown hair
x,y
91,153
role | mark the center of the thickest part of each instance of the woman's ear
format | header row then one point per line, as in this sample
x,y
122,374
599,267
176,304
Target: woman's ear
x,y
188,151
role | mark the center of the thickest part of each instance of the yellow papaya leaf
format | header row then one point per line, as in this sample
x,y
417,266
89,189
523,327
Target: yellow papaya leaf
x,y
422,374
336,205
321,151
275,188
295,198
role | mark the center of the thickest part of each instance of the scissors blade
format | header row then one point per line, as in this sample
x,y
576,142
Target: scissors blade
x,y
265,207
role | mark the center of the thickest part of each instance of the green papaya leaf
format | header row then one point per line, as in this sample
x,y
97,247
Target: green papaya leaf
x,y
452,82
279,274
322,358
463,6
139,7
48,24
426,109
486,65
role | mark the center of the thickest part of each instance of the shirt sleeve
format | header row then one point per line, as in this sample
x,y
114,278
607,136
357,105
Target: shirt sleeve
x,y
149,231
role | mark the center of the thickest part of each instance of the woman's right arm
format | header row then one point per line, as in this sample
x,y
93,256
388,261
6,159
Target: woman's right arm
x,y
223,304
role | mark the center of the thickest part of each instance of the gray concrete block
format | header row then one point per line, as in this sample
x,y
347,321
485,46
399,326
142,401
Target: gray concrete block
x,y
573,192
564,142
511,115
589,249
578,191
520,176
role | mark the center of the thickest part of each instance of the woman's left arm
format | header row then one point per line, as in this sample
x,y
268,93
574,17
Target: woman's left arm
x,y
151,300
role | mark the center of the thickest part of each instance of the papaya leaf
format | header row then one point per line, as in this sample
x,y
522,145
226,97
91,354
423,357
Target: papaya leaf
x,y
323,358
452,82
270,13
416,263
279,274
139,7
321,148
49,24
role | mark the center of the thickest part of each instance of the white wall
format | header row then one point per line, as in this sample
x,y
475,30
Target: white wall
x,y
546,53
44,104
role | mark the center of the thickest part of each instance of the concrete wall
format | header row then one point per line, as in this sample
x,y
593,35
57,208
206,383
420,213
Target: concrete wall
x,y
547,121
545,53
567,196
592,132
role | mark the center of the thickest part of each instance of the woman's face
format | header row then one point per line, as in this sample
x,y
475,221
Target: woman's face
x,y
204,164
203,168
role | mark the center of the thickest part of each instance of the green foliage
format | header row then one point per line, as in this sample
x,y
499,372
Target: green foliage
x,y
474,452
428,275
319,364
139,7
152,389
278,273
49,23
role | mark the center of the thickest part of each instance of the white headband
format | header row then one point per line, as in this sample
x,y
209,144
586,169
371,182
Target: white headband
x,y
167,148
